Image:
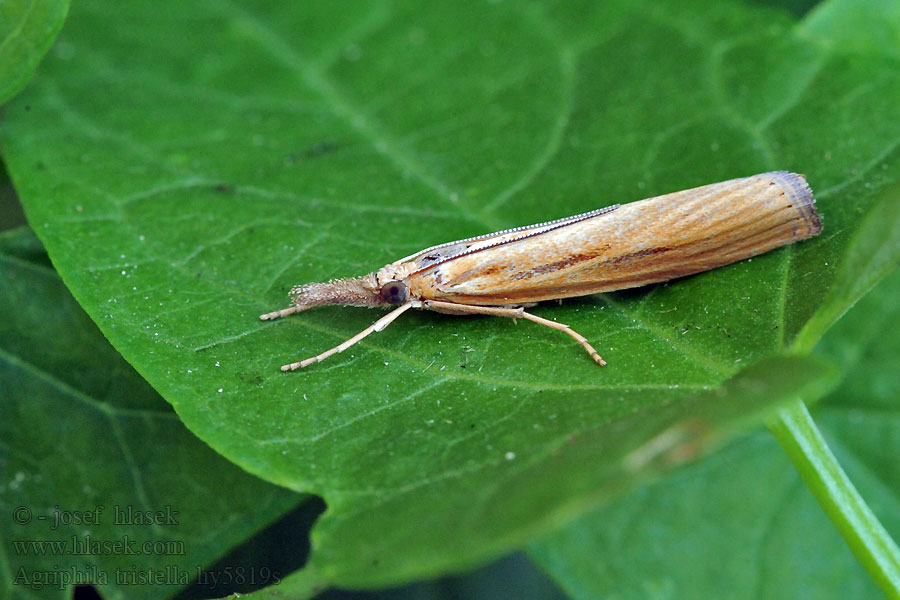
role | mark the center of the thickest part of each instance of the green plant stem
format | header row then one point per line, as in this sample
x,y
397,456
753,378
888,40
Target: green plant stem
x,y
870,542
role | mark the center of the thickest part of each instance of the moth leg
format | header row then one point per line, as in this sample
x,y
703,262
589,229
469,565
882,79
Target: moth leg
x,y
281,313
569,331
378,325
514,313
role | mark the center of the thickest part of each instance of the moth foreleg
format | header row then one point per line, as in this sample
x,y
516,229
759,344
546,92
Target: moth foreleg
x,y
378,325
281,313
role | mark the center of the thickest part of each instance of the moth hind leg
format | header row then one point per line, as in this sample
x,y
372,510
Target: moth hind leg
x,y
514,313
569,331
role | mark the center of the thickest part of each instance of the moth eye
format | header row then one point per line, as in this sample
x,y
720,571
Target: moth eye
x,y
394,292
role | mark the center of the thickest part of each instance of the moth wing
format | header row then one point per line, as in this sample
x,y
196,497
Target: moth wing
x,y
434,255
652,240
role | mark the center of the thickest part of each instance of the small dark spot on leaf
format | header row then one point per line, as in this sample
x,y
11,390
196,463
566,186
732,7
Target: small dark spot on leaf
x,y
314,151
224,188
251,378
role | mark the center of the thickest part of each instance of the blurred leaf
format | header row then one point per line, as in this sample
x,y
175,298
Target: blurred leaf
x,y
745,511
186,169
21,243
83,433
871,27
27,28
11,214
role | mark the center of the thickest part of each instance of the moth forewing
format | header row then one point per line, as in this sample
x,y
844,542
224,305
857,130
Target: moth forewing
x,y
643,242
449,250
612,248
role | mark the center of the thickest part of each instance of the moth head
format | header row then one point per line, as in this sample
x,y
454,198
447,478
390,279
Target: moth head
x,y
394,292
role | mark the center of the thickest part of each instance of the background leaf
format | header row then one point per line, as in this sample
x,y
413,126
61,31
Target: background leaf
x,y
184,171
745,510
27,28
83,433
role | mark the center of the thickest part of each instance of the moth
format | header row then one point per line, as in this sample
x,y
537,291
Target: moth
x,y
612,248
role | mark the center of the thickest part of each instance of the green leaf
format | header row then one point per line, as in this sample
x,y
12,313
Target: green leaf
x,y
871,254
745,510
11,214
27,28
186,169
862,27
84,437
